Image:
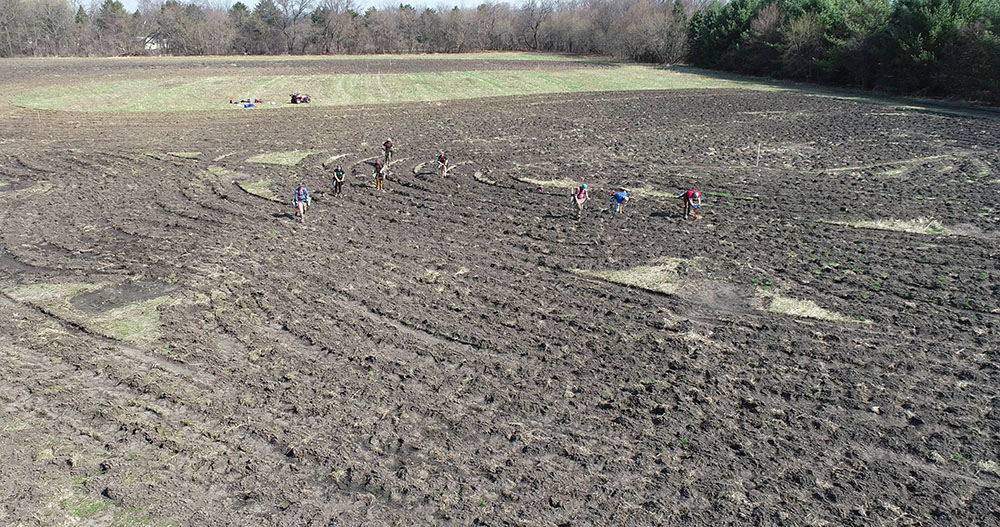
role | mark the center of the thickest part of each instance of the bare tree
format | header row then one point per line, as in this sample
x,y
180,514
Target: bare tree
x,y
431,31
766,26
407,24
219,32
380,30
458,35
571,30
333,20
803,38
12,21
494,24
292,25
532,15
53,22
114,30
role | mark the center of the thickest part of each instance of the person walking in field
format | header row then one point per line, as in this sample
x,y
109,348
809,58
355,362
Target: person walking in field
x,y
618,201
379,175
377,165
443,163
338,181
302,200
580,196
387,148
692,202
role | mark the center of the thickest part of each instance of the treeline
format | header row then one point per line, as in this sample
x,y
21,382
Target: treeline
x,y
925,47
646,30
932,47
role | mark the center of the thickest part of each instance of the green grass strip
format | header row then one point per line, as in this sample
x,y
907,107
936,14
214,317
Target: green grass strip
x,y
290,158
139,322
260,188
661,278
214,92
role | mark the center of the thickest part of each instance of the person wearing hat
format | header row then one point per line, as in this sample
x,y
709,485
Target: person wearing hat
x,y
387,147
580,196
692,202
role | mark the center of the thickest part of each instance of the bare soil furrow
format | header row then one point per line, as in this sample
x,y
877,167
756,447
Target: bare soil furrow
x,y
446,351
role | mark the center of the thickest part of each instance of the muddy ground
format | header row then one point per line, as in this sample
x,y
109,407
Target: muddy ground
x,y
177,350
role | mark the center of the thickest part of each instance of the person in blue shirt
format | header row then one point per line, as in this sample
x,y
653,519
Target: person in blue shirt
x,y
302,200
618,201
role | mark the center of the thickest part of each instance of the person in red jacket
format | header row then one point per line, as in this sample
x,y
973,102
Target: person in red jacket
x,y
692,202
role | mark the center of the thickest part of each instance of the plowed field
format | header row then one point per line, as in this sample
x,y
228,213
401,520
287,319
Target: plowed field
x,y
819,348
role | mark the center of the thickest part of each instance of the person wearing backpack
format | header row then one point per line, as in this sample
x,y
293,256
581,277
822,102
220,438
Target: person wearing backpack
x,y
301,200
379,175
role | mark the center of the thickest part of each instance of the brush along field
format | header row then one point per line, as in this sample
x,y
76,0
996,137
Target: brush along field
x,y
819,348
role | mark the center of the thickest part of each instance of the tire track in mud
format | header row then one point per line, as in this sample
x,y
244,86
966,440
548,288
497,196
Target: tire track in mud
x,y
357,480
202,380
397,326
441,354
219,202
177,411
538,239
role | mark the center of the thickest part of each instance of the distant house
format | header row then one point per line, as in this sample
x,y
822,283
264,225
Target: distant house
x,y
153,43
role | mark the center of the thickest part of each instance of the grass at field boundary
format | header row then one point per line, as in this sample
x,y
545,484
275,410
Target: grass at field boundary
x,y
213,91
964,109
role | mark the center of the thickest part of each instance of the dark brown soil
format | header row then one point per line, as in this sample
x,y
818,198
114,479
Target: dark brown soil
x,y
428,355
116,296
